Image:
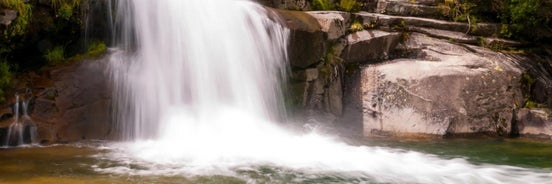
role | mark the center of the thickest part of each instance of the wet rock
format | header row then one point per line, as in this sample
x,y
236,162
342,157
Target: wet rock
x,y
333,23
447,89
5,114
307,44
307,75
536,123
369,46
3,134
71,102
334,97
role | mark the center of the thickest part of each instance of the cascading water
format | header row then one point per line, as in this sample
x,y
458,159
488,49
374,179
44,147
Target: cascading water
x,y
197,65
22,130
197,89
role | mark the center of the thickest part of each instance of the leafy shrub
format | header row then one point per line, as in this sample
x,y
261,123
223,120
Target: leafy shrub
x,y
525,16
55,56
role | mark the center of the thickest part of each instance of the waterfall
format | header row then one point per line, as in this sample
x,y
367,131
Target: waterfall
x,y
197,92
22,130
195,64
15,131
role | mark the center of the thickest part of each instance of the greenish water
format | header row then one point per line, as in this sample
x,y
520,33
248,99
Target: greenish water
x,y
79,163
514,152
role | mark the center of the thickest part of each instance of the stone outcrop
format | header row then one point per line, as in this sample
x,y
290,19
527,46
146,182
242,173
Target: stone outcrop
x,y
369,46
333,23
535,123
315,86
442,89
307,43
418,76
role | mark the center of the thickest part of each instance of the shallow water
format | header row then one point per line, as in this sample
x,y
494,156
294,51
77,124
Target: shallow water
x,y
87,163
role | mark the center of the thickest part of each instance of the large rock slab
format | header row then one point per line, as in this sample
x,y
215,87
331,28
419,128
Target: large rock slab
x,y
307,44
369,46
443,89
333,23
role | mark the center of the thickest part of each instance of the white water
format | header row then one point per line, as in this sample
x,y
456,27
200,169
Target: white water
x,y
199,95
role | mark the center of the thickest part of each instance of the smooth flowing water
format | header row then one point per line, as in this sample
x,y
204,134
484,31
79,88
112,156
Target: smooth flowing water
x,y
22,130
197,84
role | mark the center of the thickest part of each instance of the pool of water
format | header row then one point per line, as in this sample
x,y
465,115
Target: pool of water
x,y
87,163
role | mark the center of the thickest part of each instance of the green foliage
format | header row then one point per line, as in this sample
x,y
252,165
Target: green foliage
x,y
96,49
356,26
5,78
530,104
60,3
323,5
526,17
460,11
521,19
24,11
349,5
343,5
65,8
55,56
65,11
